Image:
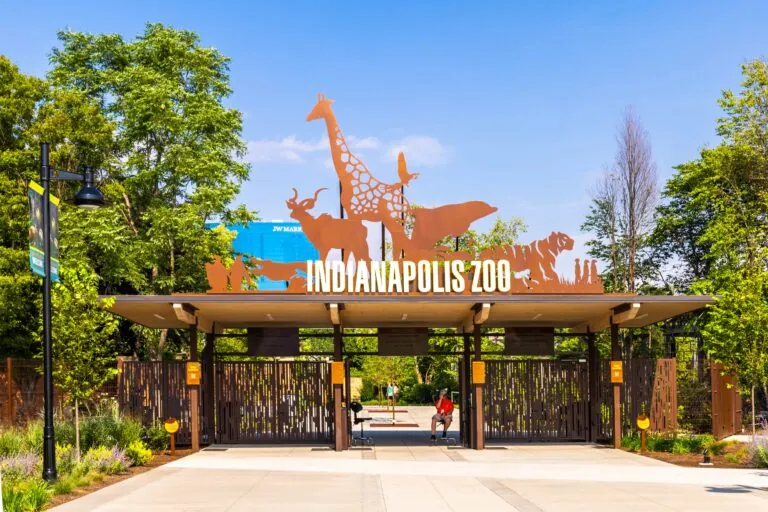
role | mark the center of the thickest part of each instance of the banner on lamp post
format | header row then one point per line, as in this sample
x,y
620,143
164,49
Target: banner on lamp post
x,y
36,246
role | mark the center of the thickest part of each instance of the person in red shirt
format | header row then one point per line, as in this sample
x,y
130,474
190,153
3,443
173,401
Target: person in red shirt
x,y
444,413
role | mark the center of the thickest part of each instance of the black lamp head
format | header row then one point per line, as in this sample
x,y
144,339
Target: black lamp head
x,y
89,196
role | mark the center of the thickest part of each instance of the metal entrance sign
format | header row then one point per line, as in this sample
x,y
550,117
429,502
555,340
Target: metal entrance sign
x,y
403,341
529,341
420,263
273,341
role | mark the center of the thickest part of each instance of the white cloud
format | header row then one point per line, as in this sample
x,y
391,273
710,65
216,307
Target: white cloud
x,y
420,150
287,149
363,143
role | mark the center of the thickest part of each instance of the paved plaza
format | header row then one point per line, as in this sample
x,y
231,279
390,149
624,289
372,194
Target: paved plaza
x,y
403,473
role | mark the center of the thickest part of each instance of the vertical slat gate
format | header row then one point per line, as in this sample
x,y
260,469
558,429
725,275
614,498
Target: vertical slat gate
x,y
273,402
536,400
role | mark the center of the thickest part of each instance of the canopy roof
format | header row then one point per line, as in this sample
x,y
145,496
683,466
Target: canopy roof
x,y
233,310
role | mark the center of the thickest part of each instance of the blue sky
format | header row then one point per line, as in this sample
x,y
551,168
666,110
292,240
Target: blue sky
x,y
513,105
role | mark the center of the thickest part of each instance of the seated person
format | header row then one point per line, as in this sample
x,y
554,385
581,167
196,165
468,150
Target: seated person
x,y
444,413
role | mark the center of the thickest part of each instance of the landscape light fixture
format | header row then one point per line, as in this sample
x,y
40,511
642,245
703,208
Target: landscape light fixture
x,y
87,197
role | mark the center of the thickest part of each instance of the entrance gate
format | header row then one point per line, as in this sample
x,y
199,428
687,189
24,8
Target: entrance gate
x,y
536,400
273,402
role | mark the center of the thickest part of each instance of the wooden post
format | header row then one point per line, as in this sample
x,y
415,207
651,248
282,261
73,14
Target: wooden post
x,y
173,443
9,375
207,378
593,365
340,421
478,426
194,394
616,356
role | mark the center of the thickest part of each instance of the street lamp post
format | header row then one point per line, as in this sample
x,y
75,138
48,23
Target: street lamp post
x,y
87,197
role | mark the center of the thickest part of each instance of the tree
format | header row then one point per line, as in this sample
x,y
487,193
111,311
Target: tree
x,y
82,335
737,334
621,215
31,111
728,182
175,160
676,243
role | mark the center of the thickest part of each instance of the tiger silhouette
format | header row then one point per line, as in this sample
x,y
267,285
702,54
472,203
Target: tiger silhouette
x,y
538,257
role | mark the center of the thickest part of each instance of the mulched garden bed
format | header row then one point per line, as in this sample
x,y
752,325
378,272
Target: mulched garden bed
x,y
159,459
693,459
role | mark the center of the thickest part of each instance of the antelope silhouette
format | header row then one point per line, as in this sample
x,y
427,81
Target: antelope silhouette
x,y
326,233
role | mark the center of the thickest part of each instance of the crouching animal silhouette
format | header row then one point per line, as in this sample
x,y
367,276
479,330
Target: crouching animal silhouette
x,y
326,233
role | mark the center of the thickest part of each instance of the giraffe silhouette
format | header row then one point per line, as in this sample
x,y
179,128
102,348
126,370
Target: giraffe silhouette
x,y
362,195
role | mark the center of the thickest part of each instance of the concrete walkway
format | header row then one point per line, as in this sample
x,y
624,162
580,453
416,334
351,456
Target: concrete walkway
x,y
404,473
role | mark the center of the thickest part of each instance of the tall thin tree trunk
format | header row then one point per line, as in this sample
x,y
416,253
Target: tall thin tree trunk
x,y
77,430
161,344
753,414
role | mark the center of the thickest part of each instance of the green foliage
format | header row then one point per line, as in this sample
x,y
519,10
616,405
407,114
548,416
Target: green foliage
x,y
177,154
28,496
64,485
11,443
138,453
155,437
109,430
738,457
678,443
66,458
26,439
82,334
106,460
760,456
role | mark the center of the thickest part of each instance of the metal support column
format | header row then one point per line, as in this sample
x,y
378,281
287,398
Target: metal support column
x,y
593,364
339,411
207,379
478,422
194,394
616,356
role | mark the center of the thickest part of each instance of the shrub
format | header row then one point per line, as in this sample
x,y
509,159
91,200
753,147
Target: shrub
x,y
29,496
718,447
631,442
33,437
759,452
138,453
65,458
737,457
11,443
128,431
419,394
65,432
106,460
155,437
20,467
64,485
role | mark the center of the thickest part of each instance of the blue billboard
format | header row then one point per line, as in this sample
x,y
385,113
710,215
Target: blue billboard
x,y
282,242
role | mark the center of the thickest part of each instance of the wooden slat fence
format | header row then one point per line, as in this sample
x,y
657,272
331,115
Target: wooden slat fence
x,y
650,388
153,391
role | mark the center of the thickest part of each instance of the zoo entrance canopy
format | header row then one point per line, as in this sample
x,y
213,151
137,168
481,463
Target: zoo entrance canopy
x,y
425,283
578,312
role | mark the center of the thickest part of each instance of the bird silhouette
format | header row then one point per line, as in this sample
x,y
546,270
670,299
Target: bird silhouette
x,y
402,170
